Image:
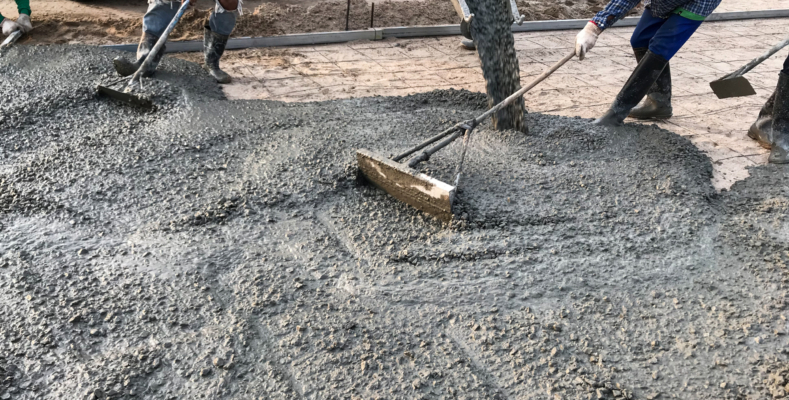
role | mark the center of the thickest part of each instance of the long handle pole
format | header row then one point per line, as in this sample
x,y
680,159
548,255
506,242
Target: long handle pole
x,y
159,43
751,65
530,86
463,125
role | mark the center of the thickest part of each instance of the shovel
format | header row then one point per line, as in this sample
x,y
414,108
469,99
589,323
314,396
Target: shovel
x,y
11,39
125,95
735,84
418,190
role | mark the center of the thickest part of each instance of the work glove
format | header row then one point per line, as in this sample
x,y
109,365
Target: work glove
x,y
24,22
586,39
9,26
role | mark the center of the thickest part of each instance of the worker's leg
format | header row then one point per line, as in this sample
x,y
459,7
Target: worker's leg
x,y
663,45
154,23
786,66
223,22
672,35
158,16
217,32
646,29
779,154
762,129
657,104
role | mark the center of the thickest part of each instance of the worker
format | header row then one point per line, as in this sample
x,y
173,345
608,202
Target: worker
x,y
664,28
22,23
154,23
771,128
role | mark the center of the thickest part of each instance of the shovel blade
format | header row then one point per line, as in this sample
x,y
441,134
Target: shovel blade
x,y
11,39
732,87
407,185
126,98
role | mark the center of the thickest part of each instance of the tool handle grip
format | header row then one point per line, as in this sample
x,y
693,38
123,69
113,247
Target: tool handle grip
x,y
751,65
530,86
160,43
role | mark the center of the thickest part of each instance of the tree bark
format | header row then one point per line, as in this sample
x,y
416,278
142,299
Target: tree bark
x,y
492,33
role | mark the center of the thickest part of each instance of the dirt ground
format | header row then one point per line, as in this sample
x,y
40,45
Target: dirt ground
x,y
226,250
108,23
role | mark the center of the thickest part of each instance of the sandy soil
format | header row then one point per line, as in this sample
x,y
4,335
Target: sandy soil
x,y
225,250
99,26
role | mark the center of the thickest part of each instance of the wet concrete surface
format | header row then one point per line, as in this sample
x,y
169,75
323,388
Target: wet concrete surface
x,y
223,249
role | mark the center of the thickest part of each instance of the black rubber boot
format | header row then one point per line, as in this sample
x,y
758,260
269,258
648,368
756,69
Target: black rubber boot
x,y
780,130
657,104
642,79
761,129
126,67
214,46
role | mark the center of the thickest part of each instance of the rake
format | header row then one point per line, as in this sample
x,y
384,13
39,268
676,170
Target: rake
x,y
402,181
125,94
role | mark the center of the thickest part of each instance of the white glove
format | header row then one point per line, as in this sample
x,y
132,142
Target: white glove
x,y
24,22
9,26
586,39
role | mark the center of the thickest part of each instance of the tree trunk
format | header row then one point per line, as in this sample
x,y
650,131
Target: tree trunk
x,y
492,33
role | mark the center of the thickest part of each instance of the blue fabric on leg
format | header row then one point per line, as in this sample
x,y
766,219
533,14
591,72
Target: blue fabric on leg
x,y
158,17
664,37
645,30
222,23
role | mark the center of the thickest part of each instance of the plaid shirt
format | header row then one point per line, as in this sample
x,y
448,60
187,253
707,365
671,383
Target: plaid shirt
x,y
617,9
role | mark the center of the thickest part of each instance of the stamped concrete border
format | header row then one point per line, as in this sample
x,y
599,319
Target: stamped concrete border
x,y
305,39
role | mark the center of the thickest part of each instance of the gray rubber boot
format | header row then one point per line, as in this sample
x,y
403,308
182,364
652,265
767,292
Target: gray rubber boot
x,y
126,67
779,153
761,129
468,44
214,46
657,104
639,84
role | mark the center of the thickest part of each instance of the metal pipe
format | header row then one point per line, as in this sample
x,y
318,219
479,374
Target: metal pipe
x,y
429,152
425,144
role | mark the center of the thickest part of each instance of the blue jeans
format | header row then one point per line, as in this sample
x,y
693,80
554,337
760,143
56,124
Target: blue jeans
x,y
663,37
159,16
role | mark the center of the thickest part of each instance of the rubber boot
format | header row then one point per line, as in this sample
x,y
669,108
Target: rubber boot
x,y
214,46
641,80
657,104
760,130
126,67
779,153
